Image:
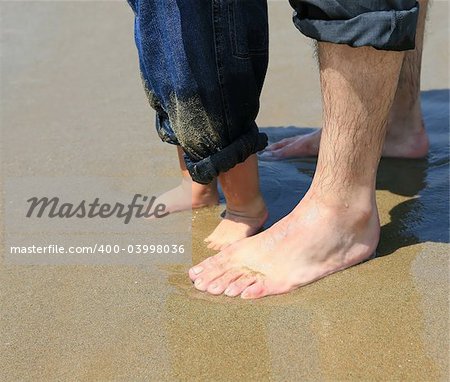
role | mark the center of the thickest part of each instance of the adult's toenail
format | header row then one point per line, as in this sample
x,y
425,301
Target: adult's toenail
x,y
197,270
245,294
198,282
229,291
214,286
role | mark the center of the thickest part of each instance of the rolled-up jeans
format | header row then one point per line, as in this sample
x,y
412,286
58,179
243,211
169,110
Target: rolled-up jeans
x,y
203,64
381,24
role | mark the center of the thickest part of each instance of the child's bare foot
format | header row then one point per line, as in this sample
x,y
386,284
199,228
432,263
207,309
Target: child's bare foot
x,y
312,242
189,195
246,210
238,224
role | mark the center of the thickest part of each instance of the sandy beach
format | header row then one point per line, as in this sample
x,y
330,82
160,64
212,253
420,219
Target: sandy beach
x,y
73,108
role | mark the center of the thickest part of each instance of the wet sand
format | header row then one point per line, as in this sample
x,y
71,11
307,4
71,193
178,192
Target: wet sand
x,y
73,105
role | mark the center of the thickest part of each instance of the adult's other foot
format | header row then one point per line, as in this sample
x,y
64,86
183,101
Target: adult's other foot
x,y
411,143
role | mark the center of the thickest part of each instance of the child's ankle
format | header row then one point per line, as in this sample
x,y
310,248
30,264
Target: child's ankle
x,y
254,207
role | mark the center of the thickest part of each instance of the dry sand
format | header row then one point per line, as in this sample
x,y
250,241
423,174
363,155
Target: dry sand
x,y
73,106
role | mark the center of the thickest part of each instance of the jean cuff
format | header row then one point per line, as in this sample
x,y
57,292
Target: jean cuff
x,y
207,169
384,30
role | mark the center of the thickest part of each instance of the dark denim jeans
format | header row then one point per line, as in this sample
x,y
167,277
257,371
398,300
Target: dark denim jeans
x,y
382,24
203,64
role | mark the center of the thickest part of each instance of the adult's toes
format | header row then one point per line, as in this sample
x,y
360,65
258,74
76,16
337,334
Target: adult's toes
x,y
219,285
236,287
202,283
265,155
194,272
256,290
298,148
276,145
273,155
207,276
281,153
210,263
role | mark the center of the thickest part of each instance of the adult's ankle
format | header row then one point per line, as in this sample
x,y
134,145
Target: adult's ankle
x,y
405,120
359,201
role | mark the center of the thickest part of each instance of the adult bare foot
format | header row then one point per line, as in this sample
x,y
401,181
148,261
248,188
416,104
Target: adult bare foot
x,y
411,142
238,224
306,145
406,143
336,224
313,241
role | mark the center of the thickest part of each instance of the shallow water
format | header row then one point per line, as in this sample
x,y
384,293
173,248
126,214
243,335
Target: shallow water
x,y
76,108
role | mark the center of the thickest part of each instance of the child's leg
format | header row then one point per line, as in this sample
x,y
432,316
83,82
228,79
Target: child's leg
x,y
246,211
204,84
188,195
